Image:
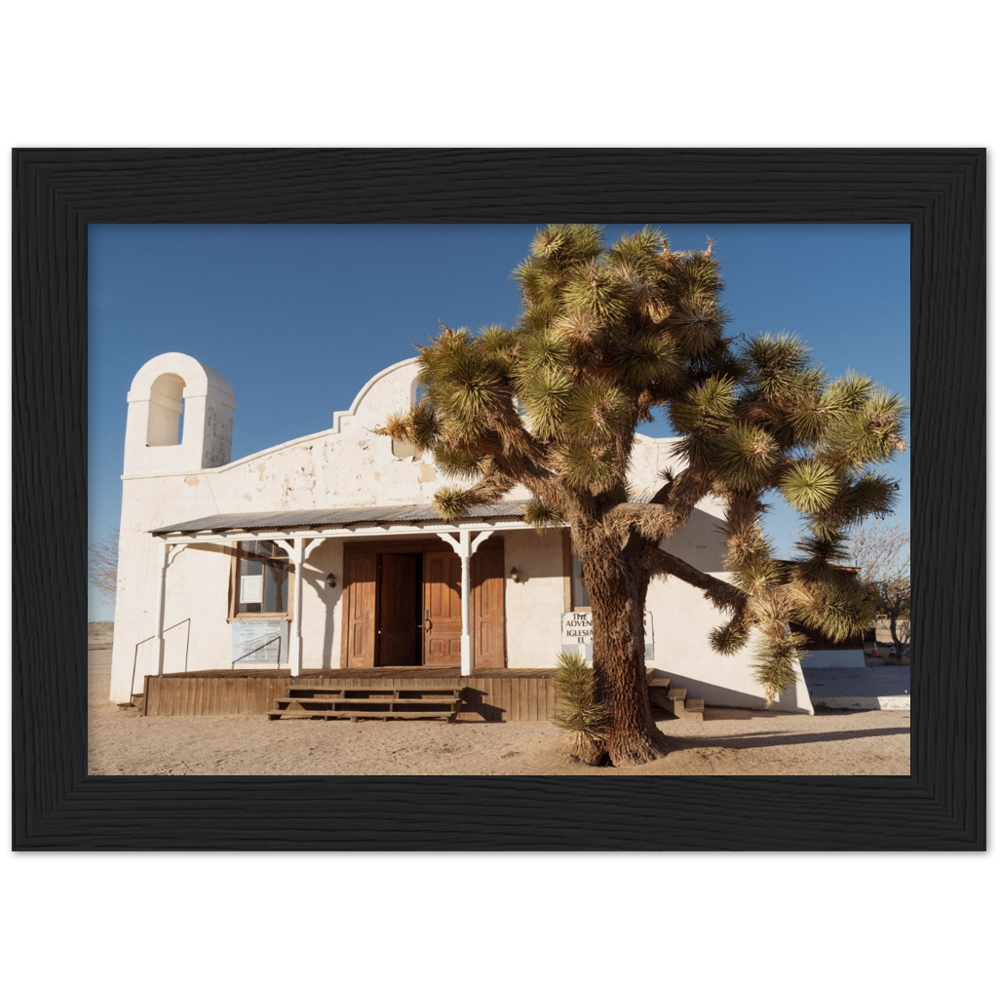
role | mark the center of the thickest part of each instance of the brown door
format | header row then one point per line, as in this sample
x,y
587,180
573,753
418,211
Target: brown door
x,y
359,609
399,621
442,610
488,607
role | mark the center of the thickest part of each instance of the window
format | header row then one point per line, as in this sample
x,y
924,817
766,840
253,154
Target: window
x,y
165,423
260,581
575,590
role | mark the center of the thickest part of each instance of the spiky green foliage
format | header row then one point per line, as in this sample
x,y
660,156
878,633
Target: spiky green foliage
x,y
776,364
829,548
455,462
607,338
820,554
757,571
649,359
578,709
418,427
696,323
746,456
596,413
542,515
837,608
809,487
707,407
774,665
586,467
728,639
451,503
545,393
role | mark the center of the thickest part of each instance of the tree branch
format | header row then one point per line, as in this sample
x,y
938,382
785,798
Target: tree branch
x,y
492,486
723,595
658,519
662,495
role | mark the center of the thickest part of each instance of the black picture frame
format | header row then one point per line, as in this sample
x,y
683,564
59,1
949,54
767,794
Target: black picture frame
x,y
940,193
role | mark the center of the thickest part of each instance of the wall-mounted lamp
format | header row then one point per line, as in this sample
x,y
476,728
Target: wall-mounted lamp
x,y
514,574
331,580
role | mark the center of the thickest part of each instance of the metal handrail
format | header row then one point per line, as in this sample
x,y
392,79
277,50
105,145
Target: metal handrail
x,y
187,648
257,649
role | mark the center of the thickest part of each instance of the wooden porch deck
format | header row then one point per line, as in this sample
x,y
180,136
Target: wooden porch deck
x,y
500,695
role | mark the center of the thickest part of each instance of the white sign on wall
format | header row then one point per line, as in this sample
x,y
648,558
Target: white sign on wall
x,y
251,589
578,633
261,641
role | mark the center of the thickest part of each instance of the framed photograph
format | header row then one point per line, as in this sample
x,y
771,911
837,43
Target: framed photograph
x,y
58,193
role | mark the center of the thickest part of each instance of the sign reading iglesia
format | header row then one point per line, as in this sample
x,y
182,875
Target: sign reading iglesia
x,y
578,633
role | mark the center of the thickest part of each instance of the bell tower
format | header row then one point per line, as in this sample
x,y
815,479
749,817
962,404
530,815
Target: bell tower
x,y
180,417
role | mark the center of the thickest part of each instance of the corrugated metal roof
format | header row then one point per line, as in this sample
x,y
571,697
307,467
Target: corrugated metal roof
x,y
335,516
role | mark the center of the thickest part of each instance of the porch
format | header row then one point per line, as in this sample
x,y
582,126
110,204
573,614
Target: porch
x,y
498,695
413,589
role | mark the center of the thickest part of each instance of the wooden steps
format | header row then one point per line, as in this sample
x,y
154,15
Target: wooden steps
x,y
411,701
675,700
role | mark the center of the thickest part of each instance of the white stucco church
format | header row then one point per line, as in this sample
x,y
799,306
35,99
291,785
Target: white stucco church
x,y
325,554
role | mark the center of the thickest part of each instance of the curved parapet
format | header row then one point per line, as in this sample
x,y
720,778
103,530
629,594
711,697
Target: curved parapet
x,y
392,389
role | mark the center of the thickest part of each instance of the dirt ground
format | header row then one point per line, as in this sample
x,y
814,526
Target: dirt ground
x,y
728,742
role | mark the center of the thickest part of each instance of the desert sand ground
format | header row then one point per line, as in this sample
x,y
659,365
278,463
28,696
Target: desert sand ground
x,y
728,742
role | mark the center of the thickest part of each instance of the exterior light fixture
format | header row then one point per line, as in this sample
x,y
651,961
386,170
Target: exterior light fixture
x,y
513,574
331,580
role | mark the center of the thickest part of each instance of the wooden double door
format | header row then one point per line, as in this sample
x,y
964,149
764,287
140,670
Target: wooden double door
x,y
403,607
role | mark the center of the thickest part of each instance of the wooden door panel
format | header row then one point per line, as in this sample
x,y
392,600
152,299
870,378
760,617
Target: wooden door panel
x,y
398,623
442,609
488,582
359,609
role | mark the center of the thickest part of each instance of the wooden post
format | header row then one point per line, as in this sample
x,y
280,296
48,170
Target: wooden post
x,y
161,607
465,548
298,561
465,554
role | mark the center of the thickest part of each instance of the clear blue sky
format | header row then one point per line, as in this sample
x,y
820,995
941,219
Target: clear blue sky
x,y
299,317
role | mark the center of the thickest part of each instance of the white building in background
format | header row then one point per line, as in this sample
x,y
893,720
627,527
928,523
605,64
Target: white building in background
x,y
325,553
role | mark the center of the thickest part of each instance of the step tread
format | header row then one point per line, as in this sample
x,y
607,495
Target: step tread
x,y
303,692
401,703
677,694
658,682
347,714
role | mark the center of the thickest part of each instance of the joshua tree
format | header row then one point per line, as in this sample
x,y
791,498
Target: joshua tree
x,y
608,336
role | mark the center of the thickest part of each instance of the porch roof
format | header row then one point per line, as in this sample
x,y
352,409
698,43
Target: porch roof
x,y
340,517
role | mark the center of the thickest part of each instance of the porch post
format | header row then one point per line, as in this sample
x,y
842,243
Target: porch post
x,y
161,606
465,554
466,547
297,561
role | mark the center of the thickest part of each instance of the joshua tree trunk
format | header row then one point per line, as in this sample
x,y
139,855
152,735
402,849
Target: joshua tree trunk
x,y
617,588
